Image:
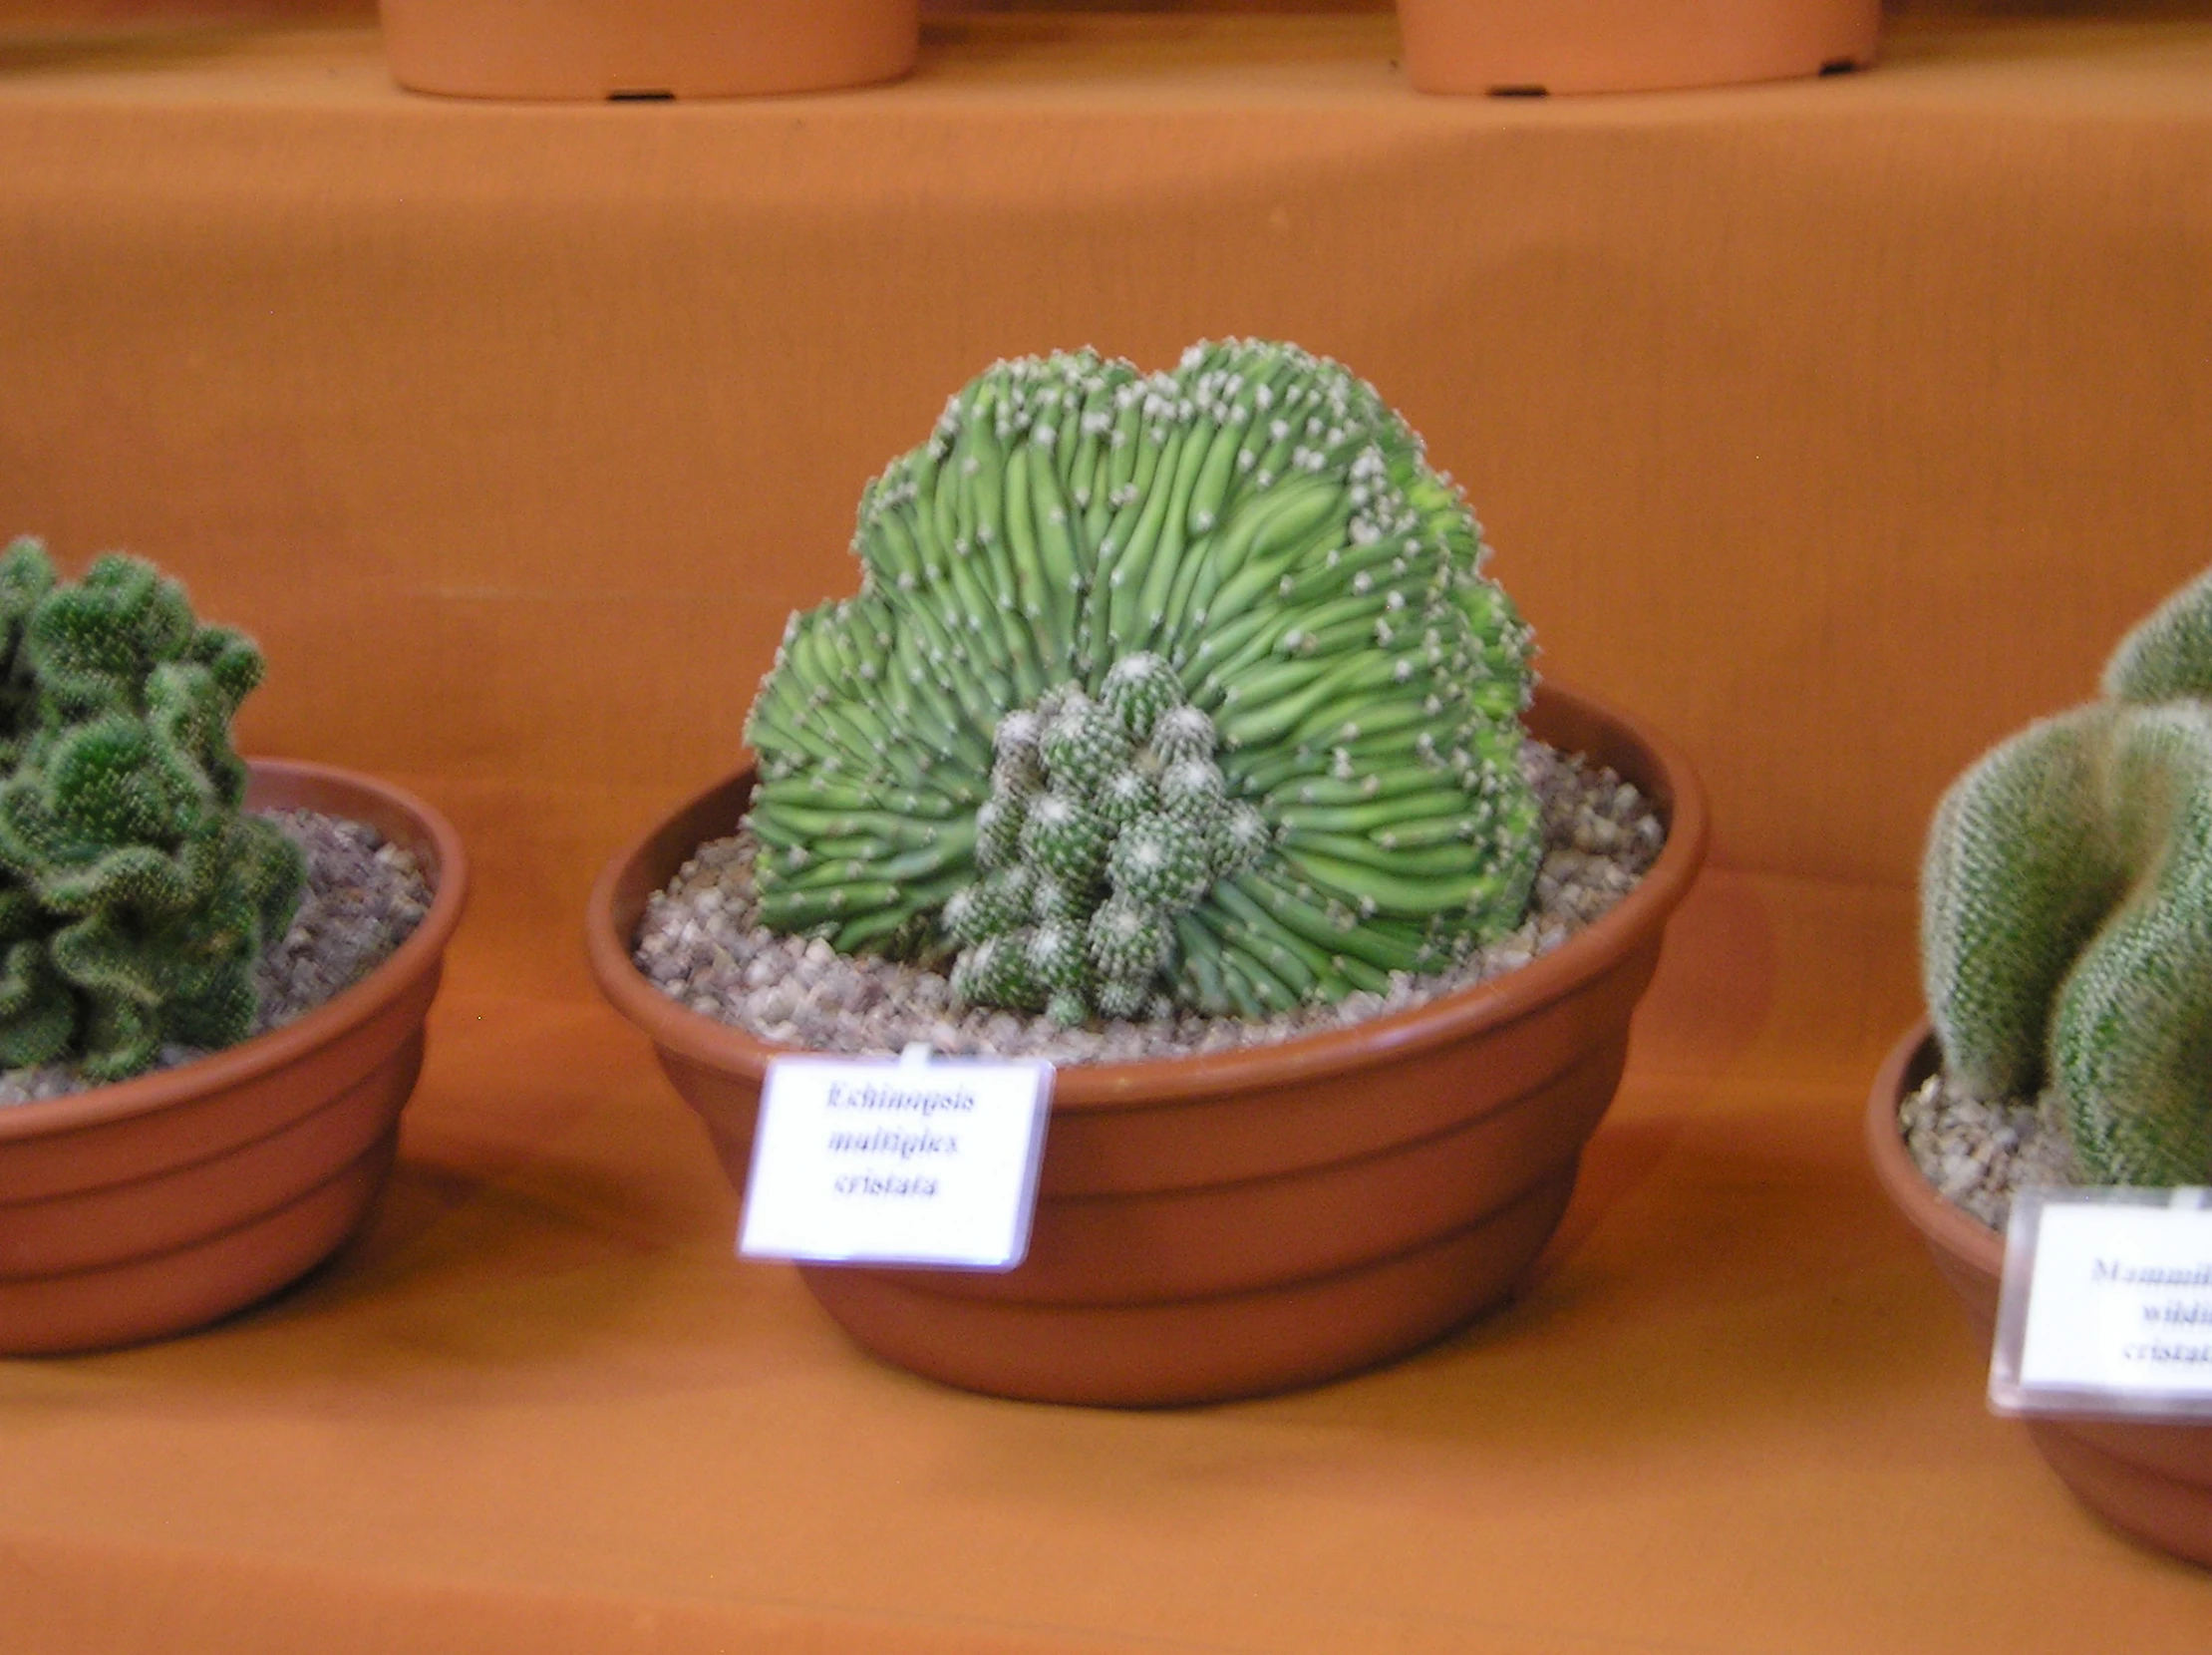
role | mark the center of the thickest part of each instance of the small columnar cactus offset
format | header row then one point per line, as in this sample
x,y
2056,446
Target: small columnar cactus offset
x,y
1170,690
135,897
2066,910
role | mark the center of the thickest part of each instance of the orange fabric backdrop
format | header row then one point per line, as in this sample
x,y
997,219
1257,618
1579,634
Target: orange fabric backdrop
x,y
1837,428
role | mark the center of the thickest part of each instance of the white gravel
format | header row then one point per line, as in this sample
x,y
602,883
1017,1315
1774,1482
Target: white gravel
x,y
1977,1152
698,942
361,899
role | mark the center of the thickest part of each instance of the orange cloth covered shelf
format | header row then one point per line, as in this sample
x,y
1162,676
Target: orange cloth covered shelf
x,y
1836,428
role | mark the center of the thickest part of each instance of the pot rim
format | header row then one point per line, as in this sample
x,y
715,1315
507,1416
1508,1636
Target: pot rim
x,y
1957,1232
279,1048
1481,1007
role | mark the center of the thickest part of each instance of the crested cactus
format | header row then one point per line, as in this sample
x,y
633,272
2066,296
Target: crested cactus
x,y
2066,910
135,897
1170,690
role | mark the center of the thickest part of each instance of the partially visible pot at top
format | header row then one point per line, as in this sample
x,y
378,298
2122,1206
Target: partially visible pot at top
x,y
1526,46
595,49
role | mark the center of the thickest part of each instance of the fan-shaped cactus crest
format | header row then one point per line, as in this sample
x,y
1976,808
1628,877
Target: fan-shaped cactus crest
x,y
1182,689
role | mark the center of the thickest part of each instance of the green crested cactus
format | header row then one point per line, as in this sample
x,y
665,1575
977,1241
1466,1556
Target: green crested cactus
x,y
2066,910
135,897
1170,690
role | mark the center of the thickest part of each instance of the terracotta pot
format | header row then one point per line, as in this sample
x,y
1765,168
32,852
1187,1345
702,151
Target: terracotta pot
x,y
2153,1481
647,48
159,1204
1248,1221
1560,46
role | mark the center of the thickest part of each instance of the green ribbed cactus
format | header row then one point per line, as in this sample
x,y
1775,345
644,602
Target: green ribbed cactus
x,y
135,897
1172,689
2066,910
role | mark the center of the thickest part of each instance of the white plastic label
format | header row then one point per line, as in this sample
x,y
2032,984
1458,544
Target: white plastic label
x,y
2108,1305
905,1161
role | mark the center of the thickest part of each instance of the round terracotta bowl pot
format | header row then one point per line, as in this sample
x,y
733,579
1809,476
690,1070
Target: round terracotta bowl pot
x,y
1562,46
592,49
164,1203
1246,1221
2153,1481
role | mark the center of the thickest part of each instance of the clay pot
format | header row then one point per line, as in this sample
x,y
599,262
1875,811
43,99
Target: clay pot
x,y
2153,1481
646,47
1247,1221
159,1204
1561,46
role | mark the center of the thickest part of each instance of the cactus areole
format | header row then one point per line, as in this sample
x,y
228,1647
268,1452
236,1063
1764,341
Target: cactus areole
x,y
1172,690
134,896
2066,910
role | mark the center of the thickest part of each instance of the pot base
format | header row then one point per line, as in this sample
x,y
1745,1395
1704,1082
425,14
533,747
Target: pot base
x,y
2166,1503
153,1298
1198,1350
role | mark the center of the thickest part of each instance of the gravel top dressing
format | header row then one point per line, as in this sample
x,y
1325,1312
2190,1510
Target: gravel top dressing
x,y
699,943
361,899
1978,1152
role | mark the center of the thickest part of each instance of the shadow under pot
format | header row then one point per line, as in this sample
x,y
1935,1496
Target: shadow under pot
x,y
157,1204
1254,1220
2152,1481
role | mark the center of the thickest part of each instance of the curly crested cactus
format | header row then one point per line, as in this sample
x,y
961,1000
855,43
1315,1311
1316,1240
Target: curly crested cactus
x,y
135,897
1170,690
2066,910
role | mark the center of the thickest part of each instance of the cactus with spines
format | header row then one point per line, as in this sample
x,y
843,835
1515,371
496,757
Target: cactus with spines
x,y
1172,690
2066,910
134,896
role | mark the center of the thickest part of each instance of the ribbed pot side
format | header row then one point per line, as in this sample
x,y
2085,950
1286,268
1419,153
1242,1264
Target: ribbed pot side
x,y
1251,1220
2152,1481
157,1204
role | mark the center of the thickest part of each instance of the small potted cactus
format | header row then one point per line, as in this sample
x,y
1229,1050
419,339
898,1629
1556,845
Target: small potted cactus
x,y
2066,959
1176,734
169,1152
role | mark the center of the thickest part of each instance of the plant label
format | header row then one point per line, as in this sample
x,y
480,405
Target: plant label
x,y
907,1160
2106,1307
